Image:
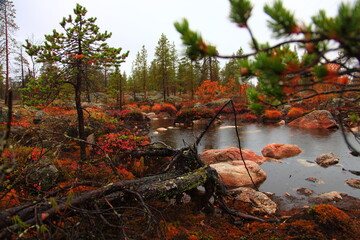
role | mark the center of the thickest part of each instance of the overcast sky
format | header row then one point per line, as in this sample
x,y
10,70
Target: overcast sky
x,y
141,22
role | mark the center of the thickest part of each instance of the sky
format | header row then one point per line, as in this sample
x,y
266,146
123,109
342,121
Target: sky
x,y
135,23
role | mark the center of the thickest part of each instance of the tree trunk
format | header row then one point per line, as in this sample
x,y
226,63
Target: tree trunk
x,y
81,123
7,80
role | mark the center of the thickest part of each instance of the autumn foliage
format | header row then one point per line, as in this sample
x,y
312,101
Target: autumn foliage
x,y
295,112
210,90
273,114
115,143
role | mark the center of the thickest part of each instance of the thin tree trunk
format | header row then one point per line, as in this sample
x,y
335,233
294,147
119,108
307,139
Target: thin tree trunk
x,y
6,58
81,122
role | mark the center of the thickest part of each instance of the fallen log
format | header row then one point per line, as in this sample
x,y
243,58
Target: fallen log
x,y
162,186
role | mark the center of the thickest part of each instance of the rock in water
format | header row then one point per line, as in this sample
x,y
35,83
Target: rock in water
x,y
234,174
327,159
280,150
304,191
315,119
161,129
315,180
230,154
355,183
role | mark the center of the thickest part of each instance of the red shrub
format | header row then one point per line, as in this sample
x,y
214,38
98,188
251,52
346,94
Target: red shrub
x,y
248,117
112,143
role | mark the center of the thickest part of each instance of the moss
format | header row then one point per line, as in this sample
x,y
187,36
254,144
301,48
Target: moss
x,y
333,221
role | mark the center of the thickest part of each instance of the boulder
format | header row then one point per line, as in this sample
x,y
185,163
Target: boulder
x,y
304,191
315,180
327,159
161,129
262,204
230,154
218,103
234,174
280,150
326,197
199,105
45,175
315,119
355,183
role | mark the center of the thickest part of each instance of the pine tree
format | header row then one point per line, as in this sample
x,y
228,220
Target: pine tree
x,y
22,66
231,70
186,76
7,40
283,76
80,44
117,84
140,70
165,62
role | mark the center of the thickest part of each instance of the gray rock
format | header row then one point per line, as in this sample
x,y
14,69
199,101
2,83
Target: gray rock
x,y
218,103
327,159
199,105
45,174
327,197
262,204
39,116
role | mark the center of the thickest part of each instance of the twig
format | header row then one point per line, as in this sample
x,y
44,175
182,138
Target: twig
x,y
240,148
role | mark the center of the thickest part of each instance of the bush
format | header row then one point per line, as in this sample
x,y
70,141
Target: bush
x,y
272,114
133,115
145,108
189,115
169,108
248,117
295,112
156,108
229,109
113,143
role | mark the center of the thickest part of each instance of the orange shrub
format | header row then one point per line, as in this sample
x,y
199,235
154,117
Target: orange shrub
x,y
273,114
145,108
169,108
132,105
295,112
10,199
208,90
156,108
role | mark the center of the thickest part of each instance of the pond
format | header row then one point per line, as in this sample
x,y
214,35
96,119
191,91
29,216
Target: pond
x,y
282,177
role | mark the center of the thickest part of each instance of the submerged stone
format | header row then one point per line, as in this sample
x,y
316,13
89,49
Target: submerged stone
x,y
355,183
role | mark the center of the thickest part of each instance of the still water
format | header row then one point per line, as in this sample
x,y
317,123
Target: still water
x,y
282,177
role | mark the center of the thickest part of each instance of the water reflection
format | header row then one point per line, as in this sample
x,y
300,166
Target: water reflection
x,y
282,177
